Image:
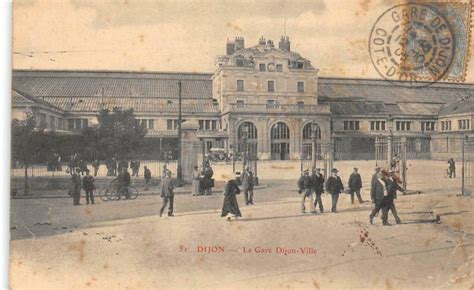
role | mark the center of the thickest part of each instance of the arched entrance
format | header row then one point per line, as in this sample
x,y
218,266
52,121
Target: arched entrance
x,y
248,131
280,141
306,149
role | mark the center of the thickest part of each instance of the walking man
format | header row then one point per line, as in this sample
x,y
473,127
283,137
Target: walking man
x,y
318,187
76,187
392,184
305,188
147,174
452,168
334,187
247,185
378,194
355,184
88,185
167,194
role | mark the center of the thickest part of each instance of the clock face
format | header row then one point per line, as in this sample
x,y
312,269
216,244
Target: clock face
x,y
271,67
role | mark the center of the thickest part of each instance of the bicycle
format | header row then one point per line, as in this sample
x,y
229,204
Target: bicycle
x,y
110,193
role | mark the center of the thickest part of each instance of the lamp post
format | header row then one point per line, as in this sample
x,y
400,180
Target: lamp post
x,y
314,137
244,145
178,169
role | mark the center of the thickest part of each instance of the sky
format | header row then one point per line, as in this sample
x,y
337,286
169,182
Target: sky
x,y
187,35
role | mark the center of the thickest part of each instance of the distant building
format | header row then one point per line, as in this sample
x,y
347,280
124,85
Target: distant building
x,y
269,95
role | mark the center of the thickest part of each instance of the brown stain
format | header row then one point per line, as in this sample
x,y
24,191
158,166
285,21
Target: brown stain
x,y
281,167
233,26
316,285
457,224
141,38
80,249
364,4
142,68
388,284
88,283
106,266
225,176
88,211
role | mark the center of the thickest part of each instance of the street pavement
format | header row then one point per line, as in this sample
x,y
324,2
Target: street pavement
x,y
126,245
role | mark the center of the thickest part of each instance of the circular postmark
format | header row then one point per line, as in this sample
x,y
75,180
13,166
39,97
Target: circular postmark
x,y
412,44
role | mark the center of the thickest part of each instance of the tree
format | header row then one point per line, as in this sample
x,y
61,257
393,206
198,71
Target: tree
x,y
118,133
28,143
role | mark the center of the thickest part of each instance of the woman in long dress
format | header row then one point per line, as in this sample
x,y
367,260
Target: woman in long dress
x,y
230,200
196,181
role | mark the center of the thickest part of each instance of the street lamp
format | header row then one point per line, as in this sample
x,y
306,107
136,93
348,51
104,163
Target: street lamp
x,y
244,145
314,137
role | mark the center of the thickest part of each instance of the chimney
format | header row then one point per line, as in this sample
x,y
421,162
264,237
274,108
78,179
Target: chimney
x,y
239,43
270,43
262,41
230,47
284,43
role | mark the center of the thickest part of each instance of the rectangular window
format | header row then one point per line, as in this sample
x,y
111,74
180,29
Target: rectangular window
x,y
271,86
70,124
169,124
240,104
468,124
270,104
346,125
214,125
279,67
143,123
398,126
85,123
356,127
239,62
208,125
201,124
262,67
351,125
442,125
300,87
77,123
460,124
403,126
52,122
300,64
372,125
240,85
382,127
300,105
151,124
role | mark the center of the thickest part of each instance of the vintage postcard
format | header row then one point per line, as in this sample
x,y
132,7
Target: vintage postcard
x,y
212,144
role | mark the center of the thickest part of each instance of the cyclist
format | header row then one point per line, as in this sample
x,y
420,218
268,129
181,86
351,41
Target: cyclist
x,y
122,181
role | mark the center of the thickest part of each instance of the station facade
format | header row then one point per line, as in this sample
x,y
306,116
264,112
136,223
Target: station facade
x,y
266,93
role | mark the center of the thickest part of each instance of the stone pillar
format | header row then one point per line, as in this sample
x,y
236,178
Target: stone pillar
x,y
191,153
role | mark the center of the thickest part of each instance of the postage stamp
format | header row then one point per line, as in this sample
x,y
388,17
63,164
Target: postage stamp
x,y
421,43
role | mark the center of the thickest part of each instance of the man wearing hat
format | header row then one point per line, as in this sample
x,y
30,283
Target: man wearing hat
x,y
317,180
392,183
247,185
355,184
334,187
305,184
379,196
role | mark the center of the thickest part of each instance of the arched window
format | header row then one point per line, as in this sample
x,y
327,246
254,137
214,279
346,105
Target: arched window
x,y
247,129
307,131
280,131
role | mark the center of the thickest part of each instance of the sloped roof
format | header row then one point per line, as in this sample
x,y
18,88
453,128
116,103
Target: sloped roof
x,y
19,98
389,92
348,108
139,104
463,106
112,84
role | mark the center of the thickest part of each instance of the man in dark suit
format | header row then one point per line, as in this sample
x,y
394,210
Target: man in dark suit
x,y
379,198
147,175
89,187
392,185
318,187
167,194
334,187
355,184
305,188
76,187
247,185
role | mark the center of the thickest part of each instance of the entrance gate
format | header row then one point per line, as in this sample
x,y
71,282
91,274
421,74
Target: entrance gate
x,y
391,154
468,166
324,157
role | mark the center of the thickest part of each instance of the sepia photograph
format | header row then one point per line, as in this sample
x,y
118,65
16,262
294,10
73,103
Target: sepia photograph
x,y
214,144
